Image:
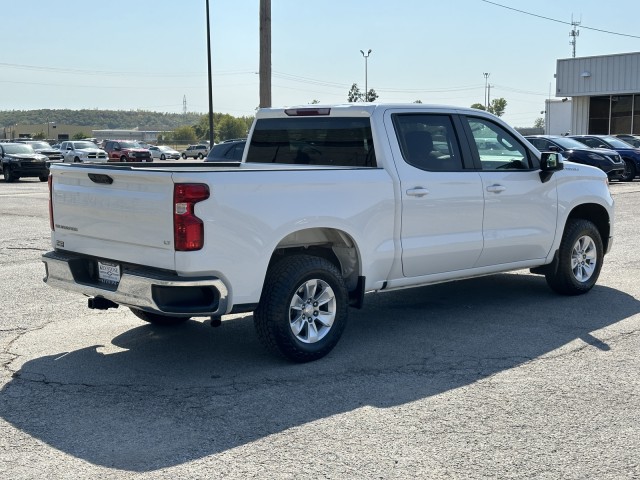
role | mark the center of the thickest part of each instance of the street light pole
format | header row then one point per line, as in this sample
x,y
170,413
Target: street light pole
x,y
366,57
486,97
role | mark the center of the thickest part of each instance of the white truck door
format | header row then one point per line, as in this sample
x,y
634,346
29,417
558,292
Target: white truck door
x,y
442,204
520,211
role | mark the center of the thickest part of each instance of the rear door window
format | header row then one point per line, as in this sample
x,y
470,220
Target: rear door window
x,y
331,141
428,142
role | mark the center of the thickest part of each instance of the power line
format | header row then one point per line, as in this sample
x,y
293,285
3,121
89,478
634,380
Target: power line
x,y
560,21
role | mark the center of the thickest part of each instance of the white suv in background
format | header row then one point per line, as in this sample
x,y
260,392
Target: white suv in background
x,y
196,151
80,151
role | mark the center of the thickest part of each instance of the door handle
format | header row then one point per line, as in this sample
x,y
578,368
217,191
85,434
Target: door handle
x,y
417,192
496,188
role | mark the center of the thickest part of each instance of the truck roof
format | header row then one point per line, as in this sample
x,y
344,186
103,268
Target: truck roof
x,y
353,109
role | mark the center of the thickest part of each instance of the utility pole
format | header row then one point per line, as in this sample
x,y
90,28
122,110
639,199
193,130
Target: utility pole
x,y
488,96
211,141
265,53
574,34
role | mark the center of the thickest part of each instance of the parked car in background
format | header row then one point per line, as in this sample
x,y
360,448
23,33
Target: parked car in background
x,y
53,154
196,151
20,160
163,152
126,151
630,155
80,151
227,151
633,140
609,161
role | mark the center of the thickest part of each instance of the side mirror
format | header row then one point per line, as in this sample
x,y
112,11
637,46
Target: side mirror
x,y
554,148
550,162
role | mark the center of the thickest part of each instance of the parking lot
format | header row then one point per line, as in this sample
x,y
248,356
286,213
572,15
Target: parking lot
x,y
493,377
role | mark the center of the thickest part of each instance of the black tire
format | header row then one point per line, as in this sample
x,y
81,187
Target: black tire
x,y
8,174
629,171
162,157
123,158
43,178
307,294
184,156
77,160
200,156
158,318
580,259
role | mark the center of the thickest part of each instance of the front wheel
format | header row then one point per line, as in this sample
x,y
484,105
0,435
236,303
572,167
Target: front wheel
x,y
43,178
579,259
200,156
303,309
158,318
9,175
629,171
162,157
184,156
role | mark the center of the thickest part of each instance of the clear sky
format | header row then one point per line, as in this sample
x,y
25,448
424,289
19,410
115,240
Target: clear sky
x,y
150,54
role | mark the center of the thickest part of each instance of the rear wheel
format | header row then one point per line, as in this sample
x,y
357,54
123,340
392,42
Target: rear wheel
x,y
629,171
43,178
158,318
579,259
303,309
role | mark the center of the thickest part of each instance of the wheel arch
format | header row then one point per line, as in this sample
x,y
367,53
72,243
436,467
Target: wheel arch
x,y
598,215
332,244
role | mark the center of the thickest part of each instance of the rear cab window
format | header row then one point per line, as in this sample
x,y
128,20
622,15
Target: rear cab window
x,y
327,141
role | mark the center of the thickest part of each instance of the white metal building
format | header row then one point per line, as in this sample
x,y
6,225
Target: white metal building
x,y
605,92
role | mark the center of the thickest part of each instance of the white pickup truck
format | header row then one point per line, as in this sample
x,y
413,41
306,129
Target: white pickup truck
x,y
328,203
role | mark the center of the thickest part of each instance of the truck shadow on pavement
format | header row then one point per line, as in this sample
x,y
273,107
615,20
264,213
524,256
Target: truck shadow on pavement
x,y
160,397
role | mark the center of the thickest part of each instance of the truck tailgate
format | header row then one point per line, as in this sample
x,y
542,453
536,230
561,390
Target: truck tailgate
x,y
113,213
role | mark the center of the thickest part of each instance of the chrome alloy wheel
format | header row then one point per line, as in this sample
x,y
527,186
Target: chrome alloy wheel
x,y
584,258
312,311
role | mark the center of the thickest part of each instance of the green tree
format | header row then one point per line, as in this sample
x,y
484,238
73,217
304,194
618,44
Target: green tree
x,y
355,95
478,106
497,107
371,95
79,136
39,136
417,101
230,127
538,123
184,134
314,102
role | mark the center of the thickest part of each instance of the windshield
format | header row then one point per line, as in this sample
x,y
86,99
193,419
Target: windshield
x,y
78,145
617,143
130,145
568,143
18,148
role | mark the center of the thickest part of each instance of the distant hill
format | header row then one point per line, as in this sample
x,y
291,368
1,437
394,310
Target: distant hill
x,y
102,119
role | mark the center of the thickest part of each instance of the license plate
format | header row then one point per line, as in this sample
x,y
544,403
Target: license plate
x,y
109,272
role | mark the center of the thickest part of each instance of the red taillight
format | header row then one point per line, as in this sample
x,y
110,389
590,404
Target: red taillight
x,y
188,229
50,183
